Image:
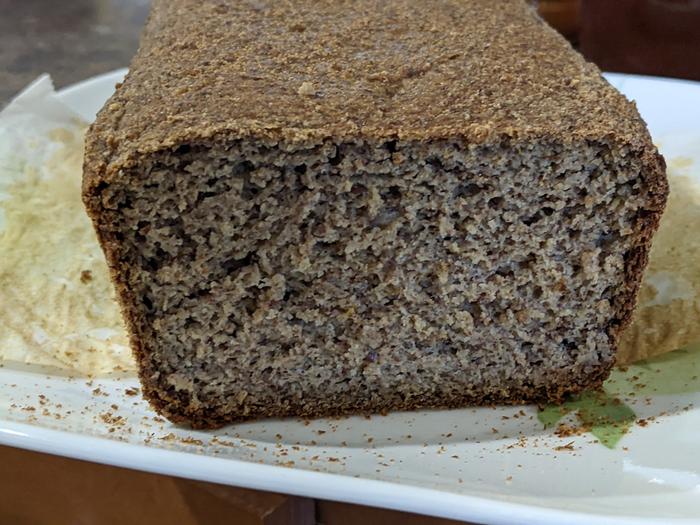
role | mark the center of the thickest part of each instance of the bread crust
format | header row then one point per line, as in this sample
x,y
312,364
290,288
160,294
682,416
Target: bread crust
x,y
479,71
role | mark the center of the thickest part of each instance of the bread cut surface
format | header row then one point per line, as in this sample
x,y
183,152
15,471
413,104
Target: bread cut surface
x,y
325,207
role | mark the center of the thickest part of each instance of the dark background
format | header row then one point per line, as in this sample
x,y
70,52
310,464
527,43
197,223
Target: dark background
x,y
76,39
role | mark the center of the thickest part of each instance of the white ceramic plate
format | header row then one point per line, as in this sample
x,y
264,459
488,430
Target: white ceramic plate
x,y
485,465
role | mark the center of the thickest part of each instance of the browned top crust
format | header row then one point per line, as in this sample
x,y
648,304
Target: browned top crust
x,y
302,70
291,73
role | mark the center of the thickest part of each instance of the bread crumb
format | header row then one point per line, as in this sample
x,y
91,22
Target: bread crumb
x,y
306,89
564,430
111,419
569,447
191,441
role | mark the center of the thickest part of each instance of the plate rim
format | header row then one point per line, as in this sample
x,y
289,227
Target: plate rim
x,y
317,485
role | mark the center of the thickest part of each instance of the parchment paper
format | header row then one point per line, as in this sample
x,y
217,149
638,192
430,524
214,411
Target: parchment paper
x,y
57,306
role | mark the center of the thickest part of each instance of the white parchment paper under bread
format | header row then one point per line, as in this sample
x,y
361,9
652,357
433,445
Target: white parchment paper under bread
x,y
57,305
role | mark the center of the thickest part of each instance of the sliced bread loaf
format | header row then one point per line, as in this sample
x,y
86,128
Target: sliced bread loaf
x,y
318,207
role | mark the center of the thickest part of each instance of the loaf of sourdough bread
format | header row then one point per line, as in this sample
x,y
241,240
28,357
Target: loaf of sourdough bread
x,y
318,207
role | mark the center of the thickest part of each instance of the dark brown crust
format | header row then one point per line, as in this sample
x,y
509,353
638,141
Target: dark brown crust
x,y
507,76
637,259
558,392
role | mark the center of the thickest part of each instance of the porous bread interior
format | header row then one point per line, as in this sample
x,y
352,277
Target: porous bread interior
x,y
268,280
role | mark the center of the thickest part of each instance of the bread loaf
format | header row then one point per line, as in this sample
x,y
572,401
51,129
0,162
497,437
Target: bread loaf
x,y
320,207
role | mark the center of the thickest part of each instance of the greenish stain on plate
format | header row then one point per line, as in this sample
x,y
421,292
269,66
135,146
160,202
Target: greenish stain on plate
x,y
606,416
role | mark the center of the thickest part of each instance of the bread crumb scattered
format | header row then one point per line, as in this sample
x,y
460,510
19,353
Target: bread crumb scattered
x,y
192,441
111,419
98,392
569,447
306,89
